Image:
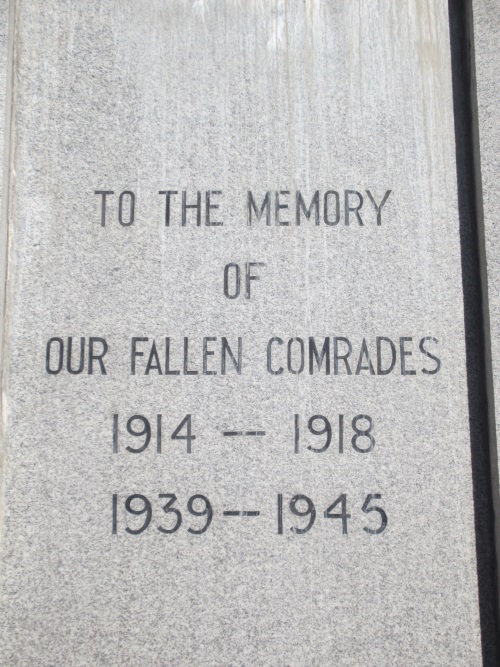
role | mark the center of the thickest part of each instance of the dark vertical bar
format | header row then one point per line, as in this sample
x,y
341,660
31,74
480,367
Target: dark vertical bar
x,y
115,434
115,514
158,434
280,514
475,306
341,434
296,431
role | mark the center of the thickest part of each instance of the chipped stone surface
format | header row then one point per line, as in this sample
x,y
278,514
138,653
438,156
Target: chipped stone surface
x,y
228,96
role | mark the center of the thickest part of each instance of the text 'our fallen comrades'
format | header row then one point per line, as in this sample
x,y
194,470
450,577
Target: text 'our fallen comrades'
x,y
222,355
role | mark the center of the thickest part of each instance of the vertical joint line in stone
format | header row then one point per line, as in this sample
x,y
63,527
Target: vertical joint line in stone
x,y
477,324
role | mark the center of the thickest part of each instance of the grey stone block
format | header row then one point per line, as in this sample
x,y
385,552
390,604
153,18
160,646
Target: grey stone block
x,y
486,27
146,97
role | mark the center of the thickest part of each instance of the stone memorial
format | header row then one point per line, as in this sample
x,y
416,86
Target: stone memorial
x,y
235,403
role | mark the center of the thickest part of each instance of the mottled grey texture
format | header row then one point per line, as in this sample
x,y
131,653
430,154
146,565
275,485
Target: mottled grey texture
x,y
5,80
233,96
4,22
486,26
